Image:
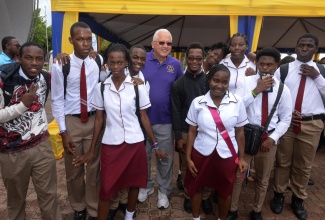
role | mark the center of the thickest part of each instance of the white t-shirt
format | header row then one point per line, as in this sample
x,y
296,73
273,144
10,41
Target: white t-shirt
x,y
121,122
232,113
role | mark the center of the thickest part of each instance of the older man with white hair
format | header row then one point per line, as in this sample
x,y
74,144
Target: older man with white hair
x,y
161,70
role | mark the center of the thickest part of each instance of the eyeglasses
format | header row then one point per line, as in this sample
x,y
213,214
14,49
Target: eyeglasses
x,y
162,43
198,59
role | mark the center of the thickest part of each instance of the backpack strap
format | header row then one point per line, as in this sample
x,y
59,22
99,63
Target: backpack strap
x,y
137,101
47,78
321,69
65,71
102,87
284,72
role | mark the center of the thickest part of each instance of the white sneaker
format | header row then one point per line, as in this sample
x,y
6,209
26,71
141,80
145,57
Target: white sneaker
x,y
162,200
144,193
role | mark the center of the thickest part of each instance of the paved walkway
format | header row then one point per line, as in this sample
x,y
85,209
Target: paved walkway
x,y
315,204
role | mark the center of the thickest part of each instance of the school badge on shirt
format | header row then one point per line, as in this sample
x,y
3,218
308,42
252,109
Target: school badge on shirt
x,y
170,69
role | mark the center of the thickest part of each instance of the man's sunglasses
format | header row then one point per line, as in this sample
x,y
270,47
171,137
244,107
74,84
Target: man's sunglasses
x,y
162,43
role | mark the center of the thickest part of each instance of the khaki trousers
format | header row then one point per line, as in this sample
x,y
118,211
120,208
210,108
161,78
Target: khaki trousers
x,y
121,197
294,158
206,191
83,182
264,163
237,186
39,164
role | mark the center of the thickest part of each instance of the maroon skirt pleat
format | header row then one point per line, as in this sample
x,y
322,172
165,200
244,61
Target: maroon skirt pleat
x,y
213,171
122,166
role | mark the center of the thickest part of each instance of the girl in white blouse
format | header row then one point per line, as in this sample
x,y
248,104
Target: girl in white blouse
x,y
209,160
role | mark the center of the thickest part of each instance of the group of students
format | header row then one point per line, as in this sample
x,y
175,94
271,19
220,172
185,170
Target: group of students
x,y
243,96
111,123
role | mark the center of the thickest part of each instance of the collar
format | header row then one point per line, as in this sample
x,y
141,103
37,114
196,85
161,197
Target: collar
x,y
192,76
229,97
128,79
79,61
22,74
229,62
6,58
298,63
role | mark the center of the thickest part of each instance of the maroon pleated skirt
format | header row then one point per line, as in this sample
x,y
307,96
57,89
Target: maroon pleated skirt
x,y
213,171
122,166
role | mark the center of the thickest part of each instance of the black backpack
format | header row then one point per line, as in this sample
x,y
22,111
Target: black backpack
x,y
66,71
285,68
10,78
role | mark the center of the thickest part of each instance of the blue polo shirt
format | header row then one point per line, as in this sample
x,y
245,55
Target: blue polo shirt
x,y
4,59
161,78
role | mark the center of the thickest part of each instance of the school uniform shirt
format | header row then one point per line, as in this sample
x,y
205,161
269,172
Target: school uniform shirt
x,y
237,74
312,103
282,116
232,113
122,124
71,103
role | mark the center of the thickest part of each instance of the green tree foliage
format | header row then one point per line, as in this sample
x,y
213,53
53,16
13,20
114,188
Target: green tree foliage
x,y
40,31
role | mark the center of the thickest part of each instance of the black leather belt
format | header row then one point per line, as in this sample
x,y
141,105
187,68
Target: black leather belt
x,y
313,117
79,115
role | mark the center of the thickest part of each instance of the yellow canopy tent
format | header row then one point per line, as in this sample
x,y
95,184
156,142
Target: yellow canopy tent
x,y
68,11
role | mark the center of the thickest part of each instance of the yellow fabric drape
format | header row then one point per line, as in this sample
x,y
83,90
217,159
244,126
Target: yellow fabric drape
x,y
233,24
311,8
257,31
69,19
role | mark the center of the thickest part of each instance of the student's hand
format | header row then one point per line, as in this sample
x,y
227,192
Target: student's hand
x,y
68,144
308,71
242,165
252,57
296,118
61,58
83,159
250,71
137,81
263,84
191,167
104,67
28,98
267,144
181,146
92,54
160,155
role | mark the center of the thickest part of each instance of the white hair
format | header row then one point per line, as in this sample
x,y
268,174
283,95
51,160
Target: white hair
x,y
155,36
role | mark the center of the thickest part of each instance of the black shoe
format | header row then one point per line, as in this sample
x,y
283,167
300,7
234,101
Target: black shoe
x,y
187,205
180,182
111,214
215,197
277,203
122,207
232,215
207,206
80,215
256,215
311,182
298,208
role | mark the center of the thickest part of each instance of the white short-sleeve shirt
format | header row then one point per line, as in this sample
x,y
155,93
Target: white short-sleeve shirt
x,y
122,124
233,114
